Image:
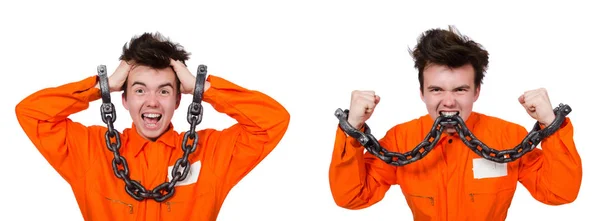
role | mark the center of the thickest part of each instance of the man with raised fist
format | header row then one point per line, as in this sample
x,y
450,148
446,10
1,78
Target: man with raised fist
x,y
451,181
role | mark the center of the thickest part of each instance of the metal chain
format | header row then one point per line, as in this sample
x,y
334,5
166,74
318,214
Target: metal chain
x,y
533,138
133,187
371,144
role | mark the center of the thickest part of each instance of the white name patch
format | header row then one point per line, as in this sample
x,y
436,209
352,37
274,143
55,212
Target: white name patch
x,y
192,176
483,168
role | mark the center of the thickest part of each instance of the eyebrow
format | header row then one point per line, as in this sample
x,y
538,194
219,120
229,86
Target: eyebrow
x,y
159,86
464,86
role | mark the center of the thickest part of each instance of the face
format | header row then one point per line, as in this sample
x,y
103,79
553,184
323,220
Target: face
x,y
449,91
151,100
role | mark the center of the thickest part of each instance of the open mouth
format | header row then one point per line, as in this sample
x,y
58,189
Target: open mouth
x,y
448,113
151,119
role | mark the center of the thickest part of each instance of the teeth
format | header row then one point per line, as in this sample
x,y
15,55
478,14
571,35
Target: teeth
x,y
152,115
448,114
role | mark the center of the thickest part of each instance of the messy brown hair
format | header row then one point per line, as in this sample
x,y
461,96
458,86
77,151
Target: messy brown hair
x,y
449,48
155,51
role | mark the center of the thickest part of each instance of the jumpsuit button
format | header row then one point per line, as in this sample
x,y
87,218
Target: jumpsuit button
x,y
450,141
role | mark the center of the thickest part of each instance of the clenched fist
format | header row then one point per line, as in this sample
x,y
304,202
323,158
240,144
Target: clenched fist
x,y
537,104
362,105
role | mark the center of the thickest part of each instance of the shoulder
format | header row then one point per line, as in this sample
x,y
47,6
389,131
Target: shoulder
x,y
493,120
95,129
496,124
423,122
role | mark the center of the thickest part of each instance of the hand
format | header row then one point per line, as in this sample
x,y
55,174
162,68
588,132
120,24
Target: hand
x,y
537,104
188,81
118,78
362,105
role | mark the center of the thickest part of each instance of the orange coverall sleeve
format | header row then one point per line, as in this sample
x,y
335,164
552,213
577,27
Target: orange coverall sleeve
x,y
357,179
553,174
43,117
261,124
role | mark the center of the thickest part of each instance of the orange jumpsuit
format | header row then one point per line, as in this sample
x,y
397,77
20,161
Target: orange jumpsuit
x,y
452,182
79,153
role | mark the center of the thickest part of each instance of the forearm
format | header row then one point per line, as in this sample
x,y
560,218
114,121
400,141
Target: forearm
x,y
255,112
55,104
352,178
43,117
558,173
261,124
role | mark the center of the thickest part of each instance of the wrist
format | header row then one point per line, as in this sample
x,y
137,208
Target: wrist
x,y
193,88
206,85
547,121
356,125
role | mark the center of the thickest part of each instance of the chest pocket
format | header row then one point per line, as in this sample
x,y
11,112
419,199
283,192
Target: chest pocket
x,y
490,189
106,194
193,195
422,205
420,192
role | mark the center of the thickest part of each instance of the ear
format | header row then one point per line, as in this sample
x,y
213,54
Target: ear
x,y
177,101
124,101
477,93
422,96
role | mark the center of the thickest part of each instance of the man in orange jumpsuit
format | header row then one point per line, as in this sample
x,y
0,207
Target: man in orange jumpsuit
x,y
452,182
152,76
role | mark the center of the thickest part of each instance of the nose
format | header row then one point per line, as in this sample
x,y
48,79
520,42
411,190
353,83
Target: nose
x,y
448,100
152,101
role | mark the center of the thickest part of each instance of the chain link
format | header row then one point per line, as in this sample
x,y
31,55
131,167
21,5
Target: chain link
x,y
181,168
533,138
371,144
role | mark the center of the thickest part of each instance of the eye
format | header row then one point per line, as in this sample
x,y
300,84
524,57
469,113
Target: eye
x,y
164,92
139,91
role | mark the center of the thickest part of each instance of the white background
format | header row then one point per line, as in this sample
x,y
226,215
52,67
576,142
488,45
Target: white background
x,y
299,52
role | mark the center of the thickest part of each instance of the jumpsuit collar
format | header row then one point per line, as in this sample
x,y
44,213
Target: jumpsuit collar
x,y
136,142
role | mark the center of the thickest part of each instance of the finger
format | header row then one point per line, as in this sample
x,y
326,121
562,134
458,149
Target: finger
x,y
357,93
367,92
528,104
362,93
544,92
534,97
369,97
369,105
528,96
121,72
522,99
175,63
377,99
524,103
365,100
366,105
127,64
